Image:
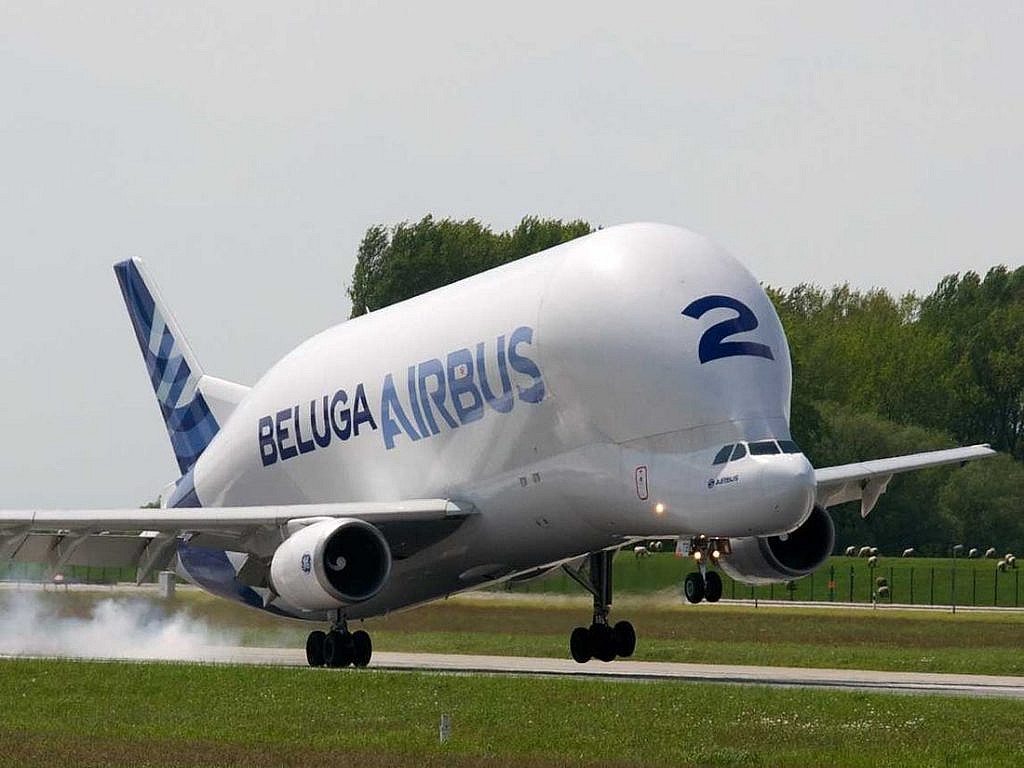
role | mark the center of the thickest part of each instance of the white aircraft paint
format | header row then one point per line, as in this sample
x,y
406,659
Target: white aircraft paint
x,y
563,404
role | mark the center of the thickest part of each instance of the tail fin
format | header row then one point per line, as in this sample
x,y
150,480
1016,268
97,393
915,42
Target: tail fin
x,y
173,368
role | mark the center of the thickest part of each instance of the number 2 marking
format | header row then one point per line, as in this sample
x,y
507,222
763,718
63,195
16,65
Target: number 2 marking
x,y
712,344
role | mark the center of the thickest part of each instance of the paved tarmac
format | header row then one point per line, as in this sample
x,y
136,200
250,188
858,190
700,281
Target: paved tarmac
x,y
791,677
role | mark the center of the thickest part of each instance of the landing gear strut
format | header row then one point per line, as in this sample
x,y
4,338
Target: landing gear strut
x,y
600,640
338,647
703,584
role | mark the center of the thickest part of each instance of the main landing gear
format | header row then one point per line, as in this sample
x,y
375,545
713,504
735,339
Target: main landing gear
x,y
600,640
703,584
338,647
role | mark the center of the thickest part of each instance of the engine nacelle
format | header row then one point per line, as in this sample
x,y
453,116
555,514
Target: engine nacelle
x,y
772,559
330,564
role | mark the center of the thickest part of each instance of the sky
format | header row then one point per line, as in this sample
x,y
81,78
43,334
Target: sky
x,y
242,149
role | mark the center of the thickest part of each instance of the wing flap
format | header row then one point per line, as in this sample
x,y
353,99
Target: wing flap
x,y
868,480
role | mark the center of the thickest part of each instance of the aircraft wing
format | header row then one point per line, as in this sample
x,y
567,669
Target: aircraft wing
x,y
148,538
867,480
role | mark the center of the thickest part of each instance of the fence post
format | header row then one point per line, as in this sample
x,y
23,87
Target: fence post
x,y
931,595
832,583
851,583
974,586
812,586
995,588
892,584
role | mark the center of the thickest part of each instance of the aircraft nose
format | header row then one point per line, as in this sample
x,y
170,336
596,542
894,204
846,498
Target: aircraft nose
x,y
789,488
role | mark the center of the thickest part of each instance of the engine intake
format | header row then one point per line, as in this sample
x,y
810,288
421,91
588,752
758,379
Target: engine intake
x,y
772,559
330,564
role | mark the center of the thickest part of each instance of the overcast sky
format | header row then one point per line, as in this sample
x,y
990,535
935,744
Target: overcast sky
x,y
242,149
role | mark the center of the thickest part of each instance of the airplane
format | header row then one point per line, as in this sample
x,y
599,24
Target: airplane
x,y
629,385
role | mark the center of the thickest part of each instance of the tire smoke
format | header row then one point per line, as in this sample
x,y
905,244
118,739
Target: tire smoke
x,y
112,628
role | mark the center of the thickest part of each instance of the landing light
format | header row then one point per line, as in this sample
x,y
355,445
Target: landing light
x,y
697,555
659,508
715,555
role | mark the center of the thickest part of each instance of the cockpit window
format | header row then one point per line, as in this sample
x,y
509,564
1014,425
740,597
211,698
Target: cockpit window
x,y
723,455
763,448
738,452
788,446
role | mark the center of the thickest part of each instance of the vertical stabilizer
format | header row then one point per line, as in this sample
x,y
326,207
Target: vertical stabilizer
x,y
173,368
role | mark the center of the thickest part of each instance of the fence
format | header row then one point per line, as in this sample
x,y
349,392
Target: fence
x,y
925,585
918,581
72,574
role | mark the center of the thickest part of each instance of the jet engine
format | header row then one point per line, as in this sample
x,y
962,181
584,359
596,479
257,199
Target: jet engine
x,y
330,564
768,559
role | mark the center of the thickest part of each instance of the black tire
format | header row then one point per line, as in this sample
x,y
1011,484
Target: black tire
x,y
315,648
602,642
362,648
579,645
625,639
337,649
693,587
712,587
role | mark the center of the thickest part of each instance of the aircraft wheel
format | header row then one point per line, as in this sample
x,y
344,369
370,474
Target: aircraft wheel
x,y
579,645
362,648
693,587
338,649
602,642
315,648
712,587
625,639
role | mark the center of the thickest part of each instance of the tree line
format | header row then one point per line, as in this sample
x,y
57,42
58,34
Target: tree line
x,y
873,374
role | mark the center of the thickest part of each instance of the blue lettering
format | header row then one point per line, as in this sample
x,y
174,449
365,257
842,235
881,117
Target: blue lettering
x,y
305,446
389,402
433,368
362,411
504,402
323,440
268,451
525,366
414,404
460,384
285,451
341,422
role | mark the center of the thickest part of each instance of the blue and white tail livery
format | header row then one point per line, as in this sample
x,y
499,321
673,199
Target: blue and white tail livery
x,y
173,369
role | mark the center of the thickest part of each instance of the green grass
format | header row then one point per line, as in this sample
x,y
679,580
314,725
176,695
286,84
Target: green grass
x,y
916,580
535,625
66,713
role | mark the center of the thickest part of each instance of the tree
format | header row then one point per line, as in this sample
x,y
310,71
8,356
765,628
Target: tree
x,y
409,259
984,320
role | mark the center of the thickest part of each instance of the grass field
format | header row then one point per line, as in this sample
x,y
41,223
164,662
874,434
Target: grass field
x,y
916,580
85,713
536,625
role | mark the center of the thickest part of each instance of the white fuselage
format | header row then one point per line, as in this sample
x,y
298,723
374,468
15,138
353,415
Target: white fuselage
x,y
563,395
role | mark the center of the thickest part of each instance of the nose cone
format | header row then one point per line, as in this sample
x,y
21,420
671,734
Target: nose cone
x,y
789,490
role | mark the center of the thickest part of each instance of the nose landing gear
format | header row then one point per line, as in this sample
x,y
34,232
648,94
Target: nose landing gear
x,y
339,647
703,584
600,640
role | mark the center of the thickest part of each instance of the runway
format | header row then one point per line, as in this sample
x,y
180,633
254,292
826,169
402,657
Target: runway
x,y
624,670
